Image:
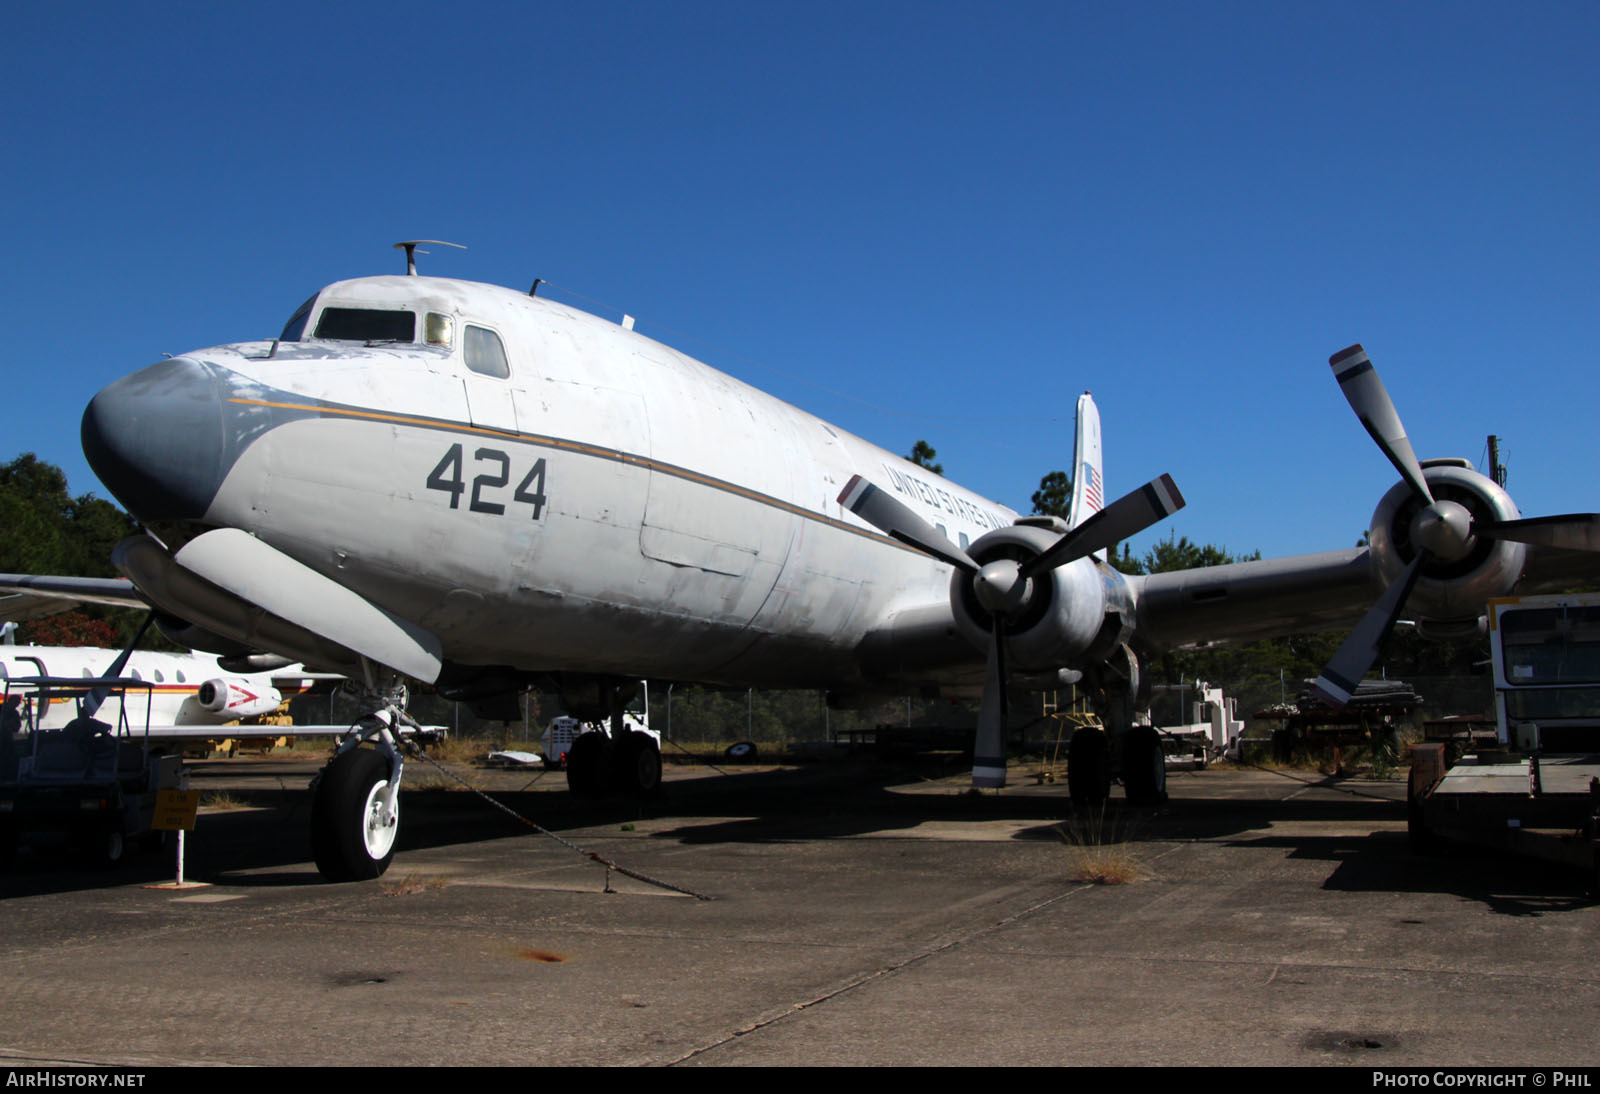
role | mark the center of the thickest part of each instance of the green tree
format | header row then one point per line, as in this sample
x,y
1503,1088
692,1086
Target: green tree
x,y
923,455
1054,496
44,529
1177,553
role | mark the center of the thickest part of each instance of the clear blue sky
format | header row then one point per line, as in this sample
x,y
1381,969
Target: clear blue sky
x,y
917,220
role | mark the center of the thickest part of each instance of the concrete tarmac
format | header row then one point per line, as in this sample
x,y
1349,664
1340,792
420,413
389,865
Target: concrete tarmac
x,y
858,915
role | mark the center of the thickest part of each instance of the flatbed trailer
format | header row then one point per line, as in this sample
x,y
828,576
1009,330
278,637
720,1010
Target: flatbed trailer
x,y
94,783
1535,790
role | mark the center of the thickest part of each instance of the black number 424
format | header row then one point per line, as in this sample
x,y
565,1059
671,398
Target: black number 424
x,y
448,477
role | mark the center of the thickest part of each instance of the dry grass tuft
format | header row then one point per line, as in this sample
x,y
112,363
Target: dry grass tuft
x,y
221,799
1100,854
413,883
464,750
424,776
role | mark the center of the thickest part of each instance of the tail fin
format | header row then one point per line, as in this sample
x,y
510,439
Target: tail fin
x,y
1088,480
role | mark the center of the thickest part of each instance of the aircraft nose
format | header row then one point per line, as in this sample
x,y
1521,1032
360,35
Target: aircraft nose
x,y
156,439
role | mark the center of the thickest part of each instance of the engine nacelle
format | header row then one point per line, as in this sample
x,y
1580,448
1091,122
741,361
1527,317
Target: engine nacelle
x,y
1075,615
233,700
1448,590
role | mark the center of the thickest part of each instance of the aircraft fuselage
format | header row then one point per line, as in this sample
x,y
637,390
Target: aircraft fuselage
x,y
538,487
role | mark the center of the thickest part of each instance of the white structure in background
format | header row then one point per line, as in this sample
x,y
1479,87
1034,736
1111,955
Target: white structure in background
x,y
1212,730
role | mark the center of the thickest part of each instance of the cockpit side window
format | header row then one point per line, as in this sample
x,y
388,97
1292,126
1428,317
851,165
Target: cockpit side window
x,y
296,326
438,329
367,325
484,352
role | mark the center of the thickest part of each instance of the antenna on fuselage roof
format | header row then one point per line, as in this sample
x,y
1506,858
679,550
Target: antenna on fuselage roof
x,y
410,248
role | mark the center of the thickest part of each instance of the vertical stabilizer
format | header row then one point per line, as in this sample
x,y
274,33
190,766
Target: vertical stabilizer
x,y
1088,479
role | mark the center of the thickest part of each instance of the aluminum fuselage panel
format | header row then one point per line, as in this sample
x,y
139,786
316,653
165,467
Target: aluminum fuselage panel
x,y
646,514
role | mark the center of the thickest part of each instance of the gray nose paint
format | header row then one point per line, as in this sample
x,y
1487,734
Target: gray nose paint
x,y
164,438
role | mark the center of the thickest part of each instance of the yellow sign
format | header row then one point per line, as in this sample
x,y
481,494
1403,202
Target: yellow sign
x,y
176,809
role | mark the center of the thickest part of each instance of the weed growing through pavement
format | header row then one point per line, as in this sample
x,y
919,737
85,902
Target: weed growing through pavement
x,y
1101,853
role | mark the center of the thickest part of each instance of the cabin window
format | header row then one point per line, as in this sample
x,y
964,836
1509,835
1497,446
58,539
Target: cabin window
x,y
366,325
159,678
484,352
438,330
181,680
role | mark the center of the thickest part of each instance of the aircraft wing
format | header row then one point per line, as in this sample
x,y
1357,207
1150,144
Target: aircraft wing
x,y
29,596
1248,600
1269,598
236,731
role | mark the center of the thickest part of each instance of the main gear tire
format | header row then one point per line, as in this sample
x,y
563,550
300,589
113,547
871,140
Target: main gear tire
x,y
638,765
1144,766
589,762
1088,768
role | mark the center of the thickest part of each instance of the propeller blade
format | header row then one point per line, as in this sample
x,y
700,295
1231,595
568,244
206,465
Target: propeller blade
x,y
1572,532
989,742
1127,516
887,514
1355,656
1370,400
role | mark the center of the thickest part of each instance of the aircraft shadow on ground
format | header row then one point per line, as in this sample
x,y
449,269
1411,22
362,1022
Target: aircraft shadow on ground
x,y
253,847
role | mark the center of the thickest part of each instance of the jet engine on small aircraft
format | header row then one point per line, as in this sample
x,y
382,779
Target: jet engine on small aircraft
x,y
1443,541
223,696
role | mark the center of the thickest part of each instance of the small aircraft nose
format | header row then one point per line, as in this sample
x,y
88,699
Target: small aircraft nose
x,y
155,438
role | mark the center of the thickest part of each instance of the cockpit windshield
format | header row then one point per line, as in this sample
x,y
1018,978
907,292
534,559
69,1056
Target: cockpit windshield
x,y
366,325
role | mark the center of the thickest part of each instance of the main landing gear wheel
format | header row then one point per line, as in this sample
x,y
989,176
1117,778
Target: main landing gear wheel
x,y
351,839
1144,766
638,769
589,765
1088,768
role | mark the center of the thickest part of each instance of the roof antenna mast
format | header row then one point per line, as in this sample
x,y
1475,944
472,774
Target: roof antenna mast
x,y
410,248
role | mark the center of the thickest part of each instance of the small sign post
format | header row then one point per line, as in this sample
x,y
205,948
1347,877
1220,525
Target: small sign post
x,y
176,810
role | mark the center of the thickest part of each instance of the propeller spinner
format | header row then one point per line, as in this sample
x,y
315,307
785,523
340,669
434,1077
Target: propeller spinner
x,y
1005,588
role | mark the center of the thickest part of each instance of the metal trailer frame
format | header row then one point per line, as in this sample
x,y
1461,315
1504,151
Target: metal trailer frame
x,y
91,781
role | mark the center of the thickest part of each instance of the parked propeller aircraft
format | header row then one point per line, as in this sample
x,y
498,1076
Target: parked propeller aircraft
x,y
484,489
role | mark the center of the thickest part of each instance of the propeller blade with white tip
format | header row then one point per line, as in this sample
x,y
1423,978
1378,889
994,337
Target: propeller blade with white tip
x,y
1370,400
1127,516
887,514
1572,532
1358,651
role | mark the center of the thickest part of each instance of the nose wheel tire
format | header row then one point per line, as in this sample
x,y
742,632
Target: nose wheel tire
x,y
351,838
